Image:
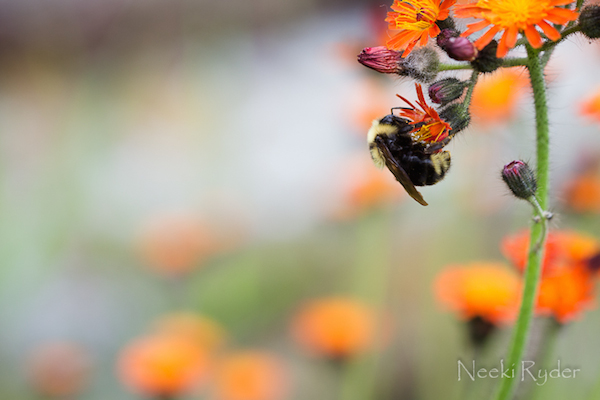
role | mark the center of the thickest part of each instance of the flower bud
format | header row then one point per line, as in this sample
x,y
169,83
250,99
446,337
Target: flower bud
x,y
446,90
589,21
457,115
461,49
520,179
383,60
486,60
422,64
447,23
445,35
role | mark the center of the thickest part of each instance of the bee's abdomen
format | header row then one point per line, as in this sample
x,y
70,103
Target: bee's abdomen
x,y
427,170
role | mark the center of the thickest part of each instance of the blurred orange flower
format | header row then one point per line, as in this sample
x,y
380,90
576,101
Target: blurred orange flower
x,y
365,188
486,290
562,248
566,287
202,330
335,327
495,96
582,193
59,369
250,375
590,107
566,292
163,365
175,244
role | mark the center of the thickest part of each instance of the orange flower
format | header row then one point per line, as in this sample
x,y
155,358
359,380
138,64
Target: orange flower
x,y
163,365
591,106
429,126
202,330
566,292
416,22
562,248
495,96
335,327
512,17
174,244
250,375
566,287
489,291
59,369
583,193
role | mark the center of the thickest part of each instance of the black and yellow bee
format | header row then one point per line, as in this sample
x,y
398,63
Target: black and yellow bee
x,y
412,162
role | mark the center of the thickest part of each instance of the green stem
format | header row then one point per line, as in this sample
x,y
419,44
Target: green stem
x,y
564,34
508,62
453,67
472,83
538,232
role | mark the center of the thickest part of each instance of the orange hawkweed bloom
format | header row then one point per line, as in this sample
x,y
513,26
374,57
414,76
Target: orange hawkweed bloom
x,y
562,248
163,365
431,128
583,193
416,22
335,327
566,287
512,17
591,106
495,96
489,291
250,375
566,292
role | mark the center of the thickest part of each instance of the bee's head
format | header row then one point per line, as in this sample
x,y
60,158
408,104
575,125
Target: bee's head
x,y
402,125
391,119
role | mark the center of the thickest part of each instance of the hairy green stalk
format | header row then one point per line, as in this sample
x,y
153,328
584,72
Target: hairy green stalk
x,y
538,232
508,62
472,83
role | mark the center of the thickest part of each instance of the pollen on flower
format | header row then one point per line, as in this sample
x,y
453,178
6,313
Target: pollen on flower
x,y
416,22
512,17
429,127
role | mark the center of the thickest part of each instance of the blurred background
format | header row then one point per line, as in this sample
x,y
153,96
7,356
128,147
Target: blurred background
x,y
186,185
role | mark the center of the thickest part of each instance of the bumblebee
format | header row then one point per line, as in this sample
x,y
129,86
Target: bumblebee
x,y
412,162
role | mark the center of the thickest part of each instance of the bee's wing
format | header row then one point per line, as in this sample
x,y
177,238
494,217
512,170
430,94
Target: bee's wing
x,y
400,173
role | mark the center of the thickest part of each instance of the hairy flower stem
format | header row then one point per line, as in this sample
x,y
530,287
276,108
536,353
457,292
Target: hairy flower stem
x,y
508,62
538,232
472,83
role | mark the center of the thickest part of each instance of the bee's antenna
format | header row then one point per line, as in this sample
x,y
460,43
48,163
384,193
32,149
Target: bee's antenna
x,y
394,108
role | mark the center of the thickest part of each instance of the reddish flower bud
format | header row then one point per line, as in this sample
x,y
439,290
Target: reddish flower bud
x,y
486,60
382,59
520,179
445,35
461,49
589,21
446,90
